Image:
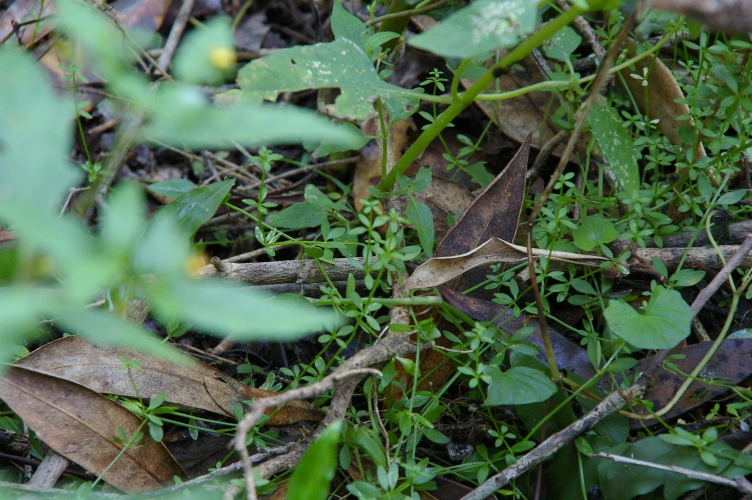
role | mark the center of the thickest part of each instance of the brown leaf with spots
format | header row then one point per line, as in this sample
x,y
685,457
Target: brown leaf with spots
x,y
191,383
80,425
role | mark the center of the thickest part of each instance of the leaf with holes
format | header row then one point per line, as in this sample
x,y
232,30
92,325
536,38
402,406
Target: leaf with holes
x,y
340,64
482,27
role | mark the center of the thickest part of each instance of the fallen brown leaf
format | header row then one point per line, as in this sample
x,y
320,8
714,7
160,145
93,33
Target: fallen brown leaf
x,y
80,425
439,270
191,383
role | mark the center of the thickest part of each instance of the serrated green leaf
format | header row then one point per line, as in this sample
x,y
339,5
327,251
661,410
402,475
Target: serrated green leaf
x,y
482,27
313,475
339,64
518,385
617,145
665,322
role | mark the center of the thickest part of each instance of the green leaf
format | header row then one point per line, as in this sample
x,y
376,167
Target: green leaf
x,y
665,323
562,44
99,326
732,197
617,145
328,147
435,436
339,64
300,215
420,216
183,115
483,26
206,55
124,217
594,231
313,475
195,208
518,385
172,188
345,26
230,309
33,173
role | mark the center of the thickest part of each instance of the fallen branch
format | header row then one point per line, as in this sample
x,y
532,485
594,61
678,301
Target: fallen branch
x,y
614,402
740,483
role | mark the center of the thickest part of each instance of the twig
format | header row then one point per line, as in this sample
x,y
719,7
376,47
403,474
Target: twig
x,y
739,483
288,271
722,275
176,33
354,369
614,402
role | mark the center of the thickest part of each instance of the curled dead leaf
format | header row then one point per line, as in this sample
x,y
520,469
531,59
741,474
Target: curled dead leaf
x,y
439,270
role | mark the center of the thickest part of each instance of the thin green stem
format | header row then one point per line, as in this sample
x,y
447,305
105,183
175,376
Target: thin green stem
x,y
465,99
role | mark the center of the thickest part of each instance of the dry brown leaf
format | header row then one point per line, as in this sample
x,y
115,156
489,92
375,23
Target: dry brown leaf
x,y
191,383
439,270
662,93
22,11
80,425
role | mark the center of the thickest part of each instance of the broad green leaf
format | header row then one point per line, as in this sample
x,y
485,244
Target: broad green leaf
x,y
172,188
665,322
124,217
518,385
35,138
617,145
230,309
164,249
21,308
345,26
184,115
339,64
313,475
300,215
594,231
482,27
420,216
195,208
562,44
206,55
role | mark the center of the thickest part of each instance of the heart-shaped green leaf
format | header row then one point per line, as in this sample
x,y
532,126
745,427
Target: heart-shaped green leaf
x,y
665,322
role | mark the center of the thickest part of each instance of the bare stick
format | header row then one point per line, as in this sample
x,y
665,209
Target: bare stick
x,y
743,486
287,271
614,402
175,34
722,275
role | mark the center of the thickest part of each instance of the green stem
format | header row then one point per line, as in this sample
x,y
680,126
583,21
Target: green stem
x,y
465,99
